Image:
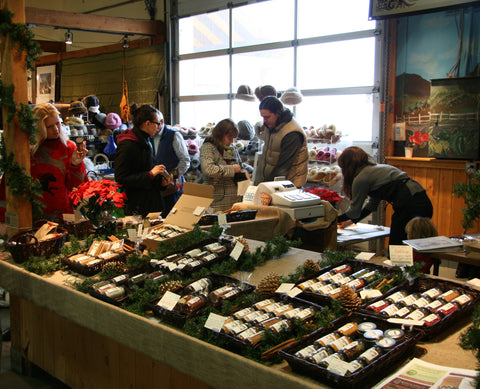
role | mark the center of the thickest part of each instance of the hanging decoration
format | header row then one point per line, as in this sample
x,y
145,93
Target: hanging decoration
x,y
124,104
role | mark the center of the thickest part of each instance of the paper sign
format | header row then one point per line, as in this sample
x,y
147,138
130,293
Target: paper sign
x,y
169,300
145,232
249,195
407,322
474,282
285,287
140,230
69,217
294,292
154,215
370,293
198,211
132,234
401,255
399,131
242,187
222,219
237,251
215,322
364,256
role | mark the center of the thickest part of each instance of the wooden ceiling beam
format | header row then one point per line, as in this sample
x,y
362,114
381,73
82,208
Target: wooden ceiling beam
x,y
52,46
94,23
55,58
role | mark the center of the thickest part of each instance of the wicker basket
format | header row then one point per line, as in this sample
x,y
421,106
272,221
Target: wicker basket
x,y
24,245
80,230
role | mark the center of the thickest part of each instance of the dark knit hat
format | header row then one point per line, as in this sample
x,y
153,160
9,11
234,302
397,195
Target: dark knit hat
x,y
91,101
245,130
244,92
77,108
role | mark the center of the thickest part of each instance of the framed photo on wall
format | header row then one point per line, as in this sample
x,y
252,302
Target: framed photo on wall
x,y
383,9
45,81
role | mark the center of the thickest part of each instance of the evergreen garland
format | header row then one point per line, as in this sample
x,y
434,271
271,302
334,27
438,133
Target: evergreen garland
x,y
470,339
20,183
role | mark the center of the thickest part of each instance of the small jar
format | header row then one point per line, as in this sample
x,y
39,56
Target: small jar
x,y
447,309
137,279
115,293
463,299
243,312
280,326
394,333
357,283
386,343
378,305
373,335
433,293
327,339
370,276
360,273
348,329
319,355
390,310
264,303
203,284
306,352
342,269
214,295
120,280
194,303
156,276
403,312
337,278
449,295
353,350
422,302
335,293
370,355
418,314
410,299
330,359
305,285
397,296
431,319
340,343
325,276
434,305
325,289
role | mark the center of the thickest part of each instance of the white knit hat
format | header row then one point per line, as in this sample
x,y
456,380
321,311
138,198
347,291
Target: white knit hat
x,y
291,97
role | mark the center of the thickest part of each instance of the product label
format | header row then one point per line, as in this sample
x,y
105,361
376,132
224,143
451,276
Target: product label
x,y
370,354
305,352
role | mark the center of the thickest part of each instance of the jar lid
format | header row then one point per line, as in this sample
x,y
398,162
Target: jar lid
x,y
385,342
366,326
394,333
373,334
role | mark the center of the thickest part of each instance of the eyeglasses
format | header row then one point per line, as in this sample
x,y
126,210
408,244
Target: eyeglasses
x,y
157,123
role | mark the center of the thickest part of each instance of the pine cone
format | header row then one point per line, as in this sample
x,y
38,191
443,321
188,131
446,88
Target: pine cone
x,y
244,242
310,267
267,287
171,286
349,299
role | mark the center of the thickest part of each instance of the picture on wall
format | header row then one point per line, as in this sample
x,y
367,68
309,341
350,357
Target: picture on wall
x,y
45,84
382,9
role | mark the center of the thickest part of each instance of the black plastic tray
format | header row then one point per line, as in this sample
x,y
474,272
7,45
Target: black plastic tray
x,y
364,378
422,284
179,318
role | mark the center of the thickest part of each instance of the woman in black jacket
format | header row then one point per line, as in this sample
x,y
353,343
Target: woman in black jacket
x,y
134,165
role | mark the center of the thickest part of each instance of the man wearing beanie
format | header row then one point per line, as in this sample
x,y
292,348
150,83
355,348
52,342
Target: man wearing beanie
x,y
170,150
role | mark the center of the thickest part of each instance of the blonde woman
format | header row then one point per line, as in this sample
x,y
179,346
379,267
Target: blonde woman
x,y
55,161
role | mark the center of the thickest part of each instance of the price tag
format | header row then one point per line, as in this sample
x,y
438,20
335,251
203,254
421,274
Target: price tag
x,y
215,322
237,251
198,211
169,300
370,293
401,255
132,234
172,266
365,256
69,217
285,287
222,219
294,292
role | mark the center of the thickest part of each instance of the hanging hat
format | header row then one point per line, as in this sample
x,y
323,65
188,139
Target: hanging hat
x,y
291,97
245,130
91,101
263,91
77,108
74,121
244,92
113,121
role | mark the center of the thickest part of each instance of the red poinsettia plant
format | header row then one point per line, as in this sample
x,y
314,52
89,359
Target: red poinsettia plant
x,y
327,195
99,200
418,138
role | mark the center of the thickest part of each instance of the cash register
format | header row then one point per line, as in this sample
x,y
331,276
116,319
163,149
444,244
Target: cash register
x,y
286,196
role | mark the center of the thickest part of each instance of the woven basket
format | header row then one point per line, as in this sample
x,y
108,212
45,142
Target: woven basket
x,y
24,245
80,230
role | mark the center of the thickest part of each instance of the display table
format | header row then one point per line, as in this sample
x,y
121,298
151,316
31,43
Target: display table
x,y
85,342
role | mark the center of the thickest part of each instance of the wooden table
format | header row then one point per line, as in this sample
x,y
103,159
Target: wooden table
x,y
85,342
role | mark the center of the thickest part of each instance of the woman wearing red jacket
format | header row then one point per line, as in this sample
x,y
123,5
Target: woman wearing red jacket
x,y
55,161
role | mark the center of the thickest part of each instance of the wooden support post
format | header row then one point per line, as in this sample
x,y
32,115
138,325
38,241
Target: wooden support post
x,y
14,71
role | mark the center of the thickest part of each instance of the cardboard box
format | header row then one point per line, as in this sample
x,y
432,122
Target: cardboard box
x,y
188,210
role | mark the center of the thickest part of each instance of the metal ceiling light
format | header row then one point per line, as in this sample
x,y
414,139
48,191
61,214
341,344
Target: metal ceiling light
x,y
68,37
126,45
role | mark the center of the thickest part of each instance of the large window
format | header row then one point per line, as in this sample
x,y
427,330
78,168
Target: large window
x,y
326,49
